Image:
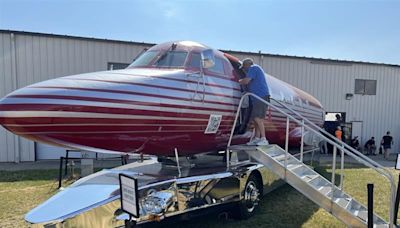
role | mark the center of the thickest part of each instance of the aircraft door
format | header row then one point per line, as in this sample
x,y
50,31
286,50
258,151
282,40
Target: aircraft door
x,y
198,85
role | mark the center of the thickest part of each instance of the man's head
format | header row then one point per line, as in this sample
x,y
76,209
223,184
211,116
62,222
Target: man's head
x,y
372,138
246,63
388,133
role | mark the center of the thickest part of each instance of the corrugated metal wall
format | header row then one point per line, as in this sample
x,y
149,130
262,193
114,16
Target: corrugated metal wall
x,y
39,58
28,58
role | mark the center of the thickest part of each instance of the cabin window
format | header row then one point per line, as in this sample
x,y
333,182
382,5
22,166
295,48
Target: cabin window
x,y
365,87
171,59
300,103
117,66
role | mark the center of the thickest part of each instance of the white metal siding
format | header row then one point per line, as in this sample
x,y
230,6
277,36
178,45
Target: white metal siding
x,y
330,81
7,139
41,57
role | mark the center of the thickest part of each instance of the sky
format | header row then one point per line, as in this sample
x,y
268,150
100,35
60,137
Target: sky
x,y
360,30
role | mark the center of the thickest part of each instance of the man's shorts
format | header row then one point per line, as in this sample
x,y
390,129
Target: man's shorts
x,y
259,108
386,146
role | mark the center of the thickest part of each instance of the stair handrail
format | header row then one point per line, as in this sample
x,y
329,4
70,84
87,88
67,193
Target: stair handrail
x,y
334,141
343,144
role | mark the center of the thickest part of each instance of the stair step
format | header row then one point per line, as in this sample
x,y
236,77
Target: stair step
x,y
325,190
279,157
348,206
343,202
292,167
363,215
309,178
275,153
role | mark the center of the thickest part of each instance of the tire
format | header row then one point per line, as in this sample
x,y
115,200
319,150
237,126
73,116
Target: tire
x,y
130,224
252,194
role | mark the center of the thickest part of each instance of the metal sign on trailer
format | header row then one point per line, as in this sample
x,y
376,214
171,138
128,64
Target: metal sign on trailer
x,y
129,197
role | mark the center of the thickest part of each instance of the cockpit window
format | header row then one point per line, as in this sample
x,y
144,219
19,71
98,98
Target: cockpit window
x,y
144,60
218,67
171,59
195,61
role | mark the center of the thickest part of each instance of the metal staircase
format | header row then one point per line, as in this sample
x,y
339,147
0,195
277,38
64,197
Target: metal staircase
x,y
307,181
311,184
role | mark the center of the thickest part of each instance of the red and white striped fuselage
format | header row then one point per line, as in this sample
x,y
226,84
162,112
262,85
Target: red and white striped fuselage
x,y
147,108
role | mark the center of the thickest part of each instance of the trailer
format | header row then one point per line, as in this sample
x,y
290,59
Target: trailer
x,y
153,190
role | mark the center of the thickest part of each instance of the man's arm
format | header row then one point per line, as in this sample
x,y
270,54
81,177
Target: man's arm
x,y
251,73
244,81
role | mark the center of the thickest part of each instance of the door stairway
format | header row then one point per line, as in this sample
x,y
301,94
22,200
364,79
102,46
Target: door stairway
x,y
311,184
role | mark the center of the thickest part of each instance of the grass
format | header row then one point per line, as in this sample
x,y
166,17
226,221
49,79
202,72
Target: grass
x,y
21,191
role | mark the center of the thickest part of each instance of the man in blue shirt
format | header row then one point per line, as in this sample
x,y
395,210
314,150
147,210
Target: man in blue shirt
x,y
255,79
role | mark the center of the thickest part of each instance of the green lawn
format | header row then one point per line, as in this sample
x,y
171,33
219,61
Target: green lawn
x,y
22,190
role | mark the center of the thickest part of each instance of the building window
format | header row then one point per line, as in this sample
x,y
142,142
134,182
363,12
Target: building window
x,y
365,87
117,66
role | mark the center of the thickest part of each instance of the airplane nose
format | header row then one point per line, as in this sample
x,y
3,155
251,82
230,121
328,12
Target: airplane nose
x,y
83,112
24,108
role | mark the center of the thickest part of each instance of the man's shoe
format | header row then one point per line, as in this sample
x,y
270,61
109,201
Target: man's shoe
x,y
263,142
253,142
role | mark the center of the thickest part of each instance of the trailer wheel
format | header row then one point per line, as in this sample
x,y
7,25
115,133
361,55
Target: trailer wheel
x,y
251,198
130,224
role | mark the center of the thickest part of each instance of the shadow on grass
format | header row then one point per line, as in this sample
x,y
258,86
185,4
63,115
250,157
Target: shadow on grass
x,y
28,175
37,175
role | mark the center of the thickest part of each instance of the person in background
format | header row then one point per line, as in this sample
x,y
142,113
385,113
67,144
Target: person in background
x,y
370,146
355,143
339,133
255,79
387,142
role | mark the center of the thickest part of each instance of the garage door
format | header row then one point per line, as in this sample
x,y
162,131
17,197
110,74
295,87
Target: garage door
x,y
47,152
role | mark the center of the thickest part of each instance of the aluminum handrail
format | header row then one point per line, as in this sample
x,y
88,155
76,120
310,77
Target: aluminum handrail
x,y
335,142
329,135
385,173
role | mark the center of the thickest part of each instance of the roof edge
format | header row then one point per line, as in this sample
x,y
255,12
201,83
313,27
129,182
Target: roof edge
x,y
322,60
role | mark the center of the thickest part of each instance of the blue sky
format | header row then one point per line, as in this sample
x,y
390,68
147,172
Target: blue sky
x,y
362,30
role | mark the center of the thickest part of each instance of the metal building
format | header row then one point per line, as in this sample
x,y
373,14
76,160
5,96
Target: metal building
x,y
364,93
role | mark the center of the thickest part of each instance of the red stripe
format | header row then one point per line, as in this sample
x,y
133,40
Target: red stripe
x,y
109,129
77,120
152,86
132,93
96,109
208,75
120,102
171,79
